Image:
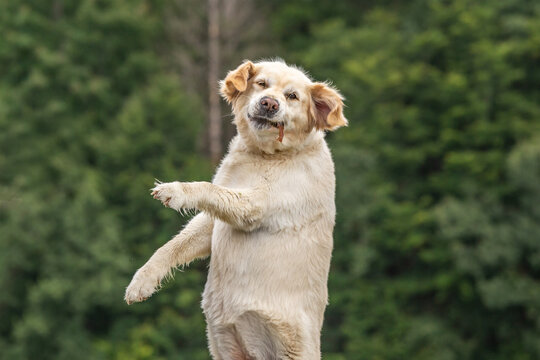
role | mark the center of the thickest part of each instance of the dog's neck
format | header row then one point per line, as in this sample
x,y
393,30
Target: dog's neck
x,y
266,143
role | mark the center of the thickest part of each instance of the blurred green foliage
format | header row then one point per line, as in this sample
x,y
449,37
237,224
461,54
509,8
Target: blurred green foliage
x,y
437,242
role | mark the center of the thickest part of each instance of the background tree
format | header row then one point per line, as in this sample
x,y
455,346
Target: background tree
x,y
204,41
437,242
89,117
214,107
439,95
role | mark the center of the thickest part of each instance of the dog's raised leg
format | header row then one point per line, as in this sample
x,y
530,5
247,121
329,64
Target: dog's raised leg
x,y
193,242
241,208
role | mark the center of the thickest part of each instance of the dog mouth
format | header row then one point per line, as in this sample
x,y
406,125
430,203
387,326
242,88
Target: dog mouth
x,y
262,122
265,123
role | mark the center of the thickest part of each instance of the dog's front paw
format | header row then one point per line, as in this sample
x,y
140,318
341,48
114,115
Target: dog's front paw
x,y
141,287
170,194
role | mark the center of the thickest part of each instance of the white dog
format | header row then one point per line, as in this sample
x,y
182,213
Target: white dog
x,y
267,219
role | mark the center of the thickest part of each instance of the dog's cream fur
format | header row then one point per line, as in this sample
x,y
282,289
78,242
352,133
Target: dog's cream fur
x,y
267,219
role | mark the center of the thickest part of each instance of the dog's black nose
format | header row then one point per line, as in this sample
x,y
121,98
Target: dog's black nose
x,y
269,105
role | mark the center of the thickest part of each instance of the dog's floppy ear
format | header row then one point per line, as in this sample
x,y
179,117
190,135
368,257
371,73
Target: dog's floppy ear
x,y
326,110
236,81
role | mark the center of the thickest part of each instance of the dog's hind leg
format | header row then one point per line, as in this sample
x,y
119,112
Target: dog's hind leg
x,y
267,338
225,344
212,343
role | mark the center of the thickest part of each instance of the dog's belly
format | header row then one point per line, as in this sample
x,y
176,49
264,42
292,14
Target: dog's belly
x,y
282,273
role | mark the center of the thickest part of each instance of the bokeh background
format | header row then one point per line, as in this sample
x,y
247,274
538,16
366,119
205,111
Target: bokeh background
x,y
437,242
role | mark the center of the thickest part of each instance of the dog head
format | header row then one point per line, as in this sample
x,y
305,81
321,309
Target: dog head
x,y
277,106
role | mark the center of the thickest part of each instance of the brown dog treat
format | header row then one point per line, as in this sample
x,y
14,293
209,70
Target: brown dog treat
x,y
280,137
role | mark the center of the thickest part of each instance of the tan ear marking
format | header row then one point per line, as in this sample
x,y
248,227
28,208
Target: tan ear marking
x,y
236,81
326,110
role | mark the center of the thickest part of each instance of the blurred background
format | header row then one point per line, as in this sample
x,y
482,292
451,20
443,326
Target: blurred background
x,y
437,241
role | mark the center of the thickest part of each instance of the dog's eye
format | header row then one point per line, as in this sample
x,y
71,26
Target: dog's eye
x,y
262,83
292,96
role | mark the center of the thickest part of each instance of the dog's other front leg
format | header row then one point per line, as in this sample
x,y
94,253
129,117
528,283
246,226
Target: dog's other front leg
x,y
193,242
243,209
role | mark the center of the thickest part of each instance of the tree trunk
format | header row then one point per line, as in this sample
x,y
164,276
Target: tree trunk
x,y
214,110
